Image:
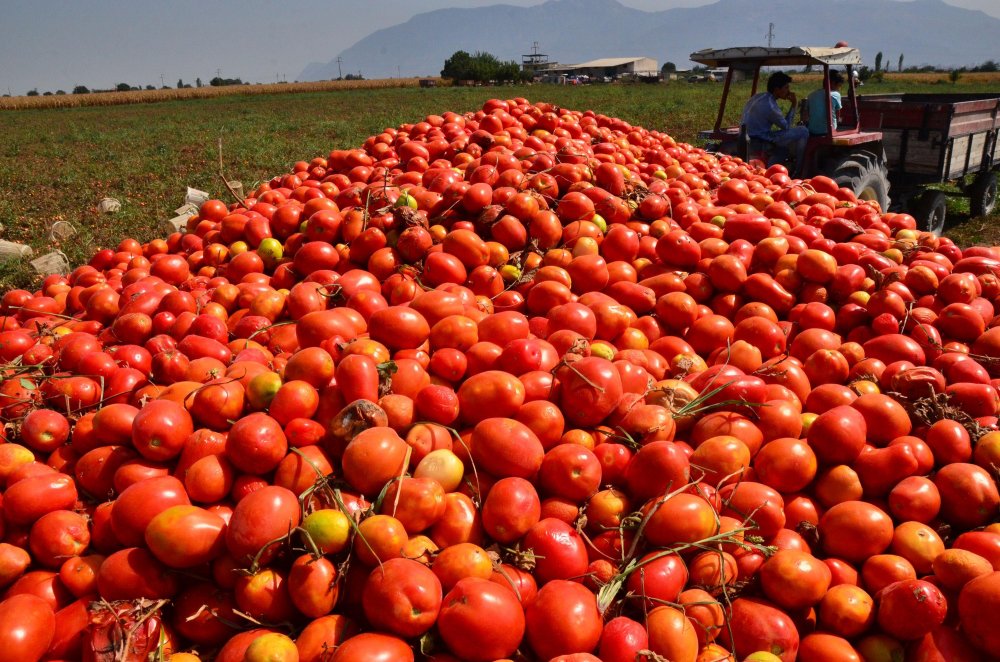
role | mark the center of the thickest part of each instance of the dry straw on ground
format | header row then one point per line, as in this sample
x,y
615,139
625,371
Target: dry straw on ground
x,y
152,96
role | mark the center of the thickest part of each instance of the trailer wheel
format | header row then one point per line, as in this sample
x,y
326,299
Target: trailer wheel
x,y
983,194
930,210
864,173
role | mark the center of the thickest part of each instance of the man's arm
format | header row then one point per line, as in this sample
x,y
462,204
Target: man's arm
x,y
776,117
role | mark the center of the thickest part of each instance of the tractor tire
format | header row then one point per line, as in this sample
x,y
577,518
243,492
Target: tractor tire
x,y
866,174
930,210
983,194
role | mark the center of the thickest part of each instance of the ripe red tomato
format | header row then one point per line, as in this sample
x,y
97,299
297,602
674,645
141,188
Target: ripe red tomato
x,y
549,628
27,626
559,550
402,597
910,609
138,504
373,647
259,519
471,637
185,536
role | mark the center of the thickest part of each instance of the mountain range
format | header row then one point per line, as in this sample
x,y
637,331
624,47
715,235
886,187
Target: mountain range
x,y
573,31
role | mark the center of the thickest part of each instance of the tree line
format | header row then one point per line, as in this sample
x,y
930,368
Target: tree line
x,y
218,81
482,68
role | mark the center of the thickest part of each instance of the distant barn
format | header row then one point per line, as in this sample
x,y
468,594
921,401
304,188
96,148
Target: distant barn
x,y
610,68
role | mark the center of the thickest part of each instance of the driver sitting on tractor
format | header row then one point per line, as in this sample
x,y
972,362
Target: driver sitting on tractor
x,y
761,113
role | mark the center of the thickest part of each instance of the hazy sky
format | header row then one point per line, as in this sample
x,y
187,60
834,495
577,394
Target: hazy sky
x,y
58,44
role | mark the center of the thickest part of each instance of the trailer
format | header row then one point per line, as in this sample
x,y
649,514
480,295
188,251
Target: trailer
x,y
933,139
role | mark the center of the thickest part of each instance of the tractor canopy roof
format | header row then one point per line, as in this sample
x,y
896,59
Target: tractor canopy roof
x,y
751,57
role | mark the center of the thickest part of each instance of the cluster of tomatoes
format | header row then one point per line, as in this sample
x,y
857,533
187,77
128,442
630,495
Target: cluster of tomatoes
x,y
523,383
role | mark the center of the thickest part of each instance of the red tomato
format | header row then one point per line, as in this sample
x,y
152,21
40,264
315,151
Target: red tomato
x,y
373,647
559,550
755,625
402,597
27,626
138,504
185,536
470,636
910,609
260,518
550,629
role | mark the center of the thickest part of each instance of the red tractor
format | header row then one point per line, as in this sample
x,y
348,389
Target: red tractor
x,y
904,141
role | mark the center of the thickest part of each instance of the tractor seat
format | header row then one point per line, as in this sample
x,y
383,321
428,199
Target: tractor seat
x,y
752,148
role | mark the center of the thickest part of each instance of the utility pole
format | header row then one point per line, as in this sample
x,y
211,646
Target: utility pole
x,y
218,73
770,34
339,72
397,72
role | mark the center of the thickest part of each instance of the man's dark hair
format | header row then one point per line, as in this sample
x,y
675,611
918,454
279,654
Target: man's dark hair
x,y
836,78
778,80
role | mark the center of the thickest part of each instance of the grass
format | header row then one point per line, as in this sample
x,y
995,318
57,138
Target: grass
x,y
58,163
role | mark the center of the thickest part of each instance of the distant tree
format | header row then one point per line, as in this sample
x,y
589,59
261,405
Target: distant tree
x,y
481,67
46,93
150,87
58,92
197,82
356,76
878,61
33,93
954,75
900,67
458,66
988,66
180,83
669,67
222,82
122,87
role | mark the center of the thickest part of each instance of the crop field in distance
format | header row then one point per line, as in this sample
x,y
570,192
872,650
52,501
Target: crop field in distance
x,y
57,163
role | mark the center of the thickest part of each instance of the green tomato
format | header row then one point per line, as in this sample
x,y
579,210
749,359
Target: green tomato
x,y
406,200
509,272
602,350
270,250
599,221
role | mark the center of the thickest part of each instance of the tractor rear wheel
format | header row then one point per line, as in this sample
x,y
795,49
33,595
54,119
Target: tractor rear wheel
x,y
866,174
983,194
930,210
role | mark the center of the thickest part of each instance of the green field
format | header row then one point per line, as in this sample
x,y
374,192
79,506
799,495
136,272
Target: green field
x,y
58,163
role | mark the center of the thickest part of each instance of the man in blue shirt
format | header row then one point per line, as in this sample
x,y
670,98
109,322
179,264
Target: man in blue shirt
x,y
817,105
761,113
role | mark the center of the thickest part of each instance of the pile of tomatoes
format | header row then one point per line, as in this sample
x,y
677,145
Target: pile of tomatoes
x,y
523,383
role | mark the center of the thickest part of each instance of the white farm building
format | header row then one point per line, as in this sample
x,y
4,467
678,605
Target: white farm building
x,y
609,67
